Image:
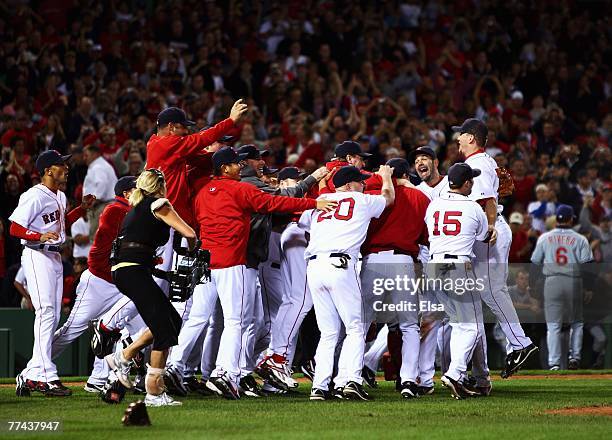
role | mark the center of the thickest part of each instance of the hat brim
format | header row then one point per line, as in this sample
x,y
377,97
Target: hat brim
x,y
188,123
242,156
414,153
270,171
264,153
364,155
457,128
66,157
226,139
476,172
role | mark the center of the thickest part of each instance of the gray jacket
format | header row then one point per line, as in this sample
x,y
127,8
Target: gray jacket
x,y
261,224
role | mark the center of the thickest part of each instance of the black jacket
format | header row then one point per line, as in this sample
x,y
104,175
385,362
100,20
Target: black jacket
x,y
261,224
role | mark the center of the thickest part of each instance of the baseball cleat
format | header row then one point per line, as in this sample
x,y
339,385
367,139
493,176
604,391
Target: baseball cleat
x,y
308,369
338,393
573,364
410,390
24,387
481,387
203,389
56,389
162,399
269,389
250,387
223,386
102,340
317,394
93,388
278,374
191,384
554,368
484,390
457,389
121,369
425,391
515,359
354,391
369,377
174,382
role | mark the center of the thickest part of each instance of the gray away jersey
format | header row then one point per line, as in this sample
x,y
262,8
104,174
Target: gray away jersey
x,y
562,250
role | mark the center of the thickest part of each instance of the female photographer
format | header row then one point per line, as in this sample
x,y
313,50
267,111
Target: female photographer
x,y
145,228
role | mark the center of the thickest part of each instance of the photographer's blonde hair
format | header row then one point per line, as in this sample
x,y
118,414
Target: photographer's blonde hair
x,y
150,182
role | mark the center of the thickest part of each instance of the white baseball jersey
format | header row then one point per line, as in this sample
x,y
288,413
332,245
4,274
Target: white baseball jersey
x,y
433,192
454,223
80,227
561,250
100,180
41,210
487,184
344,229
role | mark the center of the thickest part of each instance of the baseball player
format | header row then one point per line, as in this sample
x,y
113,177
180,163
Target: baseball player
x,y
223,210
389,252
348,153
562,250
332,254
455,223
433,185
492,259
96,292
40,221
169,151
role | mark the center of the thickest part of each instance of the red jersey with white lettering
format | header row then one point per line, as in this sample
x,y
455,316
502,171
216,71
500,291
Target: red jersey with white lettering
x,y
344,229
454,223
171,153
223,211
108,229
401,227
41,210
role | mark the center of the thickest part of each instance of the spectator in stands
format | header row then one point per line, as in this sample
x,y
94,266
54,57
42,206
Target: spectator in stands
x,y
520,249
541,208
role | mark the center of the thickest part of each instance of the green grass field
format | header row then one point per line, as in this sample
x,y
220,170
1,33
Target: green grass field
x,y
516,410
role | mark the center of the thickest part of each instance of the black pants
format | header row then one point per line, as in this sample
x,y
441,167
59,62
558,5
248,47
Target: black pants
x,y
136,282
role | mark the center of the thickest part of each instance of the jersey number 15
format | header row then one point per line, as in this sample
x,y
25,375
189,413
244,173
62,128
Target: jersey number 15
x,y
451,223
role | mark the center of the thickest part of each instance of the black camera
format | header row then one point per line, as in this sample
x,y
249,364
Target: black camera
x,y
191,269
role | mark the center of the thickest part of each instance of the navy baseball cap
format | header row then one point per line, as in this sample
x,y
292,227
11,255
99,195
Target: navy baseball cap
x,y
175,115
400,167
268,171
226,155
222,139
472,126
460,173
349,147
252,152
424,151
126,183
348,174
290,173
48,159
564,213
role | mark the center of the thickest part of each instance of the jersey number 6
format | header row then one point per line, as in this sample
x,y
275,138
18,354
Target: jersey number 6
x,y
344,211
448,221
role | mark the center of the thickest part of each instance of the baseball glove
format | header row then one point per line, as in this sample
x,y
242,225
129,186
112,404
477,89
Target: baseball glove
x,y
113,392
136,415
506,184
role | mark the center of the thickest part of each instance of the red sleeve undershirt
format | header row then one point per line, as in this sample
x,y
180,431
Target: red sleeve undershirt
x,y
18,231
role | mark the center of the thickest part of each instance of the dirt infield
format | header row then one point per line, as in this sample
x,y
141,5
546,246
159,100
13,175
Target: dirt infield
x,y
583,411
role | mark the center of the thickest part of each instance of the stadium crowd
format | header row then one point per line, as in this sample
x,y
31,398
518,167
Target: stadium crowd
x,y
89,79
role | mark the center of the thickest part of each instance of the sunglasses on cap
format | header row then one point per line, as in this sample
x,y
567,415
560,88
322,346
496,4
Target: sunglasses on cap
x,y
157,173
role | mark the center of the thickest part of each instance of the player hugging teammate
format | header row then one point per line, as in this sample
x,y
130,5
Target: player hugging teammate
x,y
277,249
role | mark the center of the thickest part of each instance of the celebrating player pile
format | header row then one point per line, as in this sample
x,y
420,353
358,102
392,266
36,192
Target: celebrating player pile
x,y
278,248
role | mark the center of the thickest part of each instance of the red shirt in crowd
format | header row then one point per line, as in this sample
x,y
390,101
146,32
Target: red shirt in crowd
x,y
223,211
519,241
523,189
393,230
171,153
108,229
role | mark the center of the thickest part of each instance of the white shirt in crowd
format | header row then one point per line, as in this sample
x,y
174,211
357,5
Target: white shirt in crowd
x,y
100,180
80,227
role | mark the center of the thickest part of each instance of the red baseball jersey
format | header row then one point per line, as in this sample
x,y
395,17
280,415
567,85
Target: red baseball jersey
x,y
223,212
108,229
171,153
401,227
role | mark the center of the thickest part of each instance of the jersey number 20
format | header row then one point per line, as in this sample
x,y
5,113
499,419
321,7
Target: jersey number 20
x,y
344,211
452,225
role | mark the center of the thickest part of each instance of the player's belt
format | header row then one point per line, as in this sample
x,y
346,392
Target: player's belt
x,y
275,265
45,247
333,255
